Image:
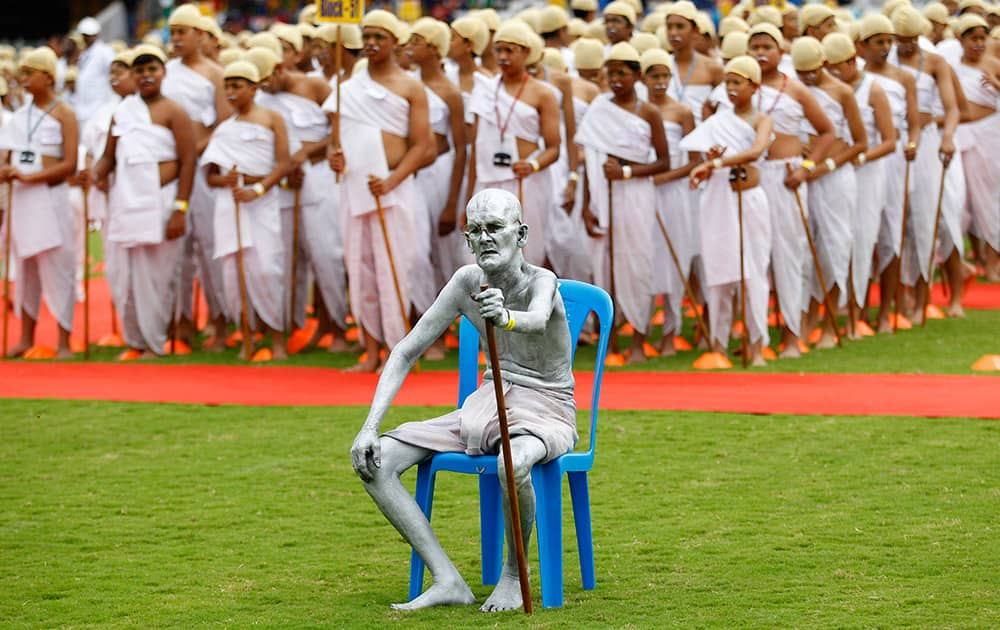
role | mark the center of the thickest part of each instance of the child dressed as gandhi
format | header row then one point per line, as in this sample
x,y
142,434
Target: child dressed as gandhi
x,y
534,348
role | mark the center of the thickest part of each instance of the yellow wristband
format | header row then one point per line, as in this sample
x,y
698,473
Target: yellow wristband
x,y
535,166
181,206
510,322
809,165
574,177
259,189
912,145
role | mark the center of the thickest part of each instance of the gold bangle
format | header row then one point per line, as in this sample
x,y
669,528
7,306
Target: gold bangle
x,y
181,206
574,177
535,166
510,321
809,165
912,145
259,189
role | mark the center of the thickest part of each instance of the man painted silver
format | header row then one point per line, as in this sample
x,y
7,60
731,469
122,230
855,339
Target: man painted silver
x,y
535,352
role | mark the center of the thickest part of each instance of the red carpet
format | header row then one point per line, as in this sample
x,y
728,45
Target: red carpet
x,y
846,394
980,296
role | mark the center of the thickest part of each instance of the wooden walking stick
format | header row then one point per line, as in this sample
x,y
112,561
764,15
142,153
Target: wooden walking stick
x,y
244,315
296,212
902,248
830,313
930,264
6,264
86,272
680,272
508,464
392,263
614,357
745,335
338,66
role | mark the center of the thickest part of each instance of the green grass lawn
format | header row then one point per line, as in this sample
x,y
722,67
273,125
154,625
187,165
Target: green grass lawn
x,y
149,516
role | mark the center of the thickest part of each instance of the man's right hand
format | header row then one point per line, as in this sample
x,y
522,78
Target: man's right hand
x,y
337,160
366,454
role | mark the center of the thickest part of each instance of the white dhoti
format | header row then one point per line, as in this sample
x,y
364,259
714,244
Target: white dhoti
x,y
789,244
198,256
890,231
567,236
870,182
322,237
925,175
295,314
982,176
448,252
674,203
831,210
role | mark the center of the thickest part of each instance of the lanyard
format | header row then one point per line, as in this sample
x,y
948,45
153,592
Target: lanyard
x,y
32,130
781,92
682,87
496,107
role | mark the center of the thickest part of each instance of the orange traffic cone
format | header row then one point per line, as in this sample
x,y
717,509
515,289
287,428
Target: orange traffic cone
x,y
614,359
769,354
712,361
40,352
933,312
863,329
111,340
130,355
681,344
987,363
180,348
262,355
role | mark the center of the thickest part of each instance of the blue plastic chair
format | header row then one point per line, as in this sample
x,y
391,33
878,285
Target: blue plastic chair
x,y
580,299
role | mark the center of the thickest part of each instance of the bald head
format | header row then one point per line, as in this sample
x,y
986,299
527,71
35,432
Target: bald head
x,y
493,200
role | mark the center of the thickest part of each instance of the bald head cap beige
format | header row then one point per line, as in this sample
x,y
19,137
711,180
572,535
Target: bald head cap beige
x,y
734,45
807,54
588,54
435,32
684,9
995,33
595,30
746,67
814,14
553,59
515,32
474,30
552,19
937,13
308,14
490,17
621,8
766,28
289,34
264,59
350,33
530,16
265,40
42,59
838,48
186,15
732,24
145,50
766,15
242,70
307,30
968,4
537,48
583,5
229,55
644,41
576,27
968,22
651,22
387,22
890,7
704,24
125,57
655,57
622,51
908,22
210,26
3,87
874,24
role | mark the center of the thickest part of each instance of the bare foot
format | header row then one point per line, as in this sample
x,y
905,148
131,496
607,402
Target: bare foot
x,y
955,310
218,343
884,327
826,341
19,349
455,593
758,360
244,355
636,355
791,350
339,344
278,351
64,353
506,595
368,366
148,354
666,347
917,319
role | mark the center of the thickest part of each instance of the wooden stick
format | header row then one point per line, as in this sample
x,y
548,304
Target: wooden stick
x,y
86,272
745,336
930,264
244,315
196,302
902,248
338,65
6,264
296,211
611,256
520,192
687,285
830,313
392,263
508,463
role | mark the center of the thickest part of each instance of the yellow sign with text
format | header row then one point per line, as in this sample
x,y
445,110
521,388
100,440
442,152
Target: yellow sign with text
x,y
342,11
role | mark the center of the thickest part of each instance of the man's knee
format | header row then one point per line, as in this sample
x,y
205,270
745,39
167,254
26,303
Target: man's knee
x,y
525,452
397,457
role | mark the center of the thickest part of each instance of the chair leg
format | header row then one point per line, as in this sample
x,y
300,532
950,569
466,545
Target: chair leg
x,y
547,481
424,496
491,527
580,495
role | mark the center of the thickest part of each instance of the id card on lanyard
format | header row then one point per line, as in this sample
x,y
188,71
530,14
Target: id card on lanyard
x,y
506,155
29,158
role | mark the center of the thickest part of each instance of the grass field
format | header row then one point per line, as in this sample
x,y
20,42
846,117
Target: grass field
x,y
132,515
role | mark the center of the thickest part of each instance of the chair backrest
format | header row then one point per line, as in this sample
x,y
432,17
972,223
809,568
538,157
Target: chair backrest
x,y
580,300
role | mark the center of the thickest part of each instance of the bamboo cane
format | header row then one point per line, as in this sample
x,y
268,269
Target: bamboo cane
x,y
687,285
86,272
745,335
392,264
6,264
296,212
902,248
244,315
515,506
930,264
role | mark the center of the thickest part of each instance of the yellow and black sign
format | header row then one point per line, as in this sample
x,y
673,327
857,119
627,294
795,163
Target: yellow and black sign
x,y
343,11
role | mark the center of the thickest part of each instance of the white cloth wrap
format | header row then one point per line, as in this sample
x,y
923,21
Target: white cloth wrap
x,y
870,196
250,147
789,245
608,130
192,91
831,214
139,212
322,238
982,177
567,246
